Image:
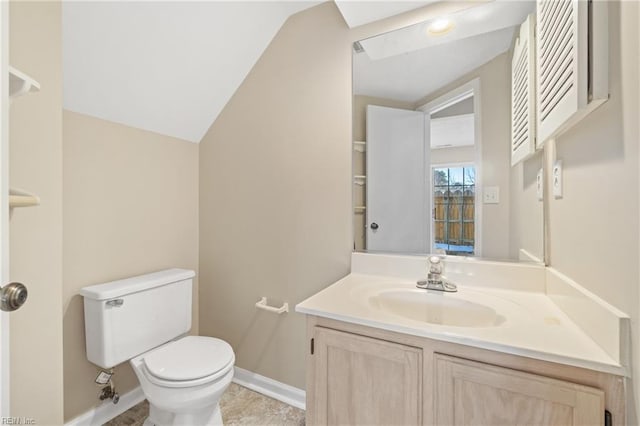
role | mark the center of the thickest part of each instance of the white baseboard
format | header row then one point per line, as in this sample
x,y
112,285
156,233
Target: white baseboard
x,y
108,410
261,384
271,388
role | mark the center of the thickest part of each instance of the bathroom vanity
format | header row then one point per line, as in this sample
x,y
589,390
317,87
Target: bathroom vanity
x,y
383,352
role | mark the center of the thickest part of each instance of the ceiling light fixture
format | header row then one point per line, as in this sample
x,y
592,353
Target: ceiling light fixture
x,y
440,27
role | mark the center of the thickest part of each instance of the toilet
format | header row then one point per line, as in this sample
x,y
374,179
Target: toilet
x,y
145,320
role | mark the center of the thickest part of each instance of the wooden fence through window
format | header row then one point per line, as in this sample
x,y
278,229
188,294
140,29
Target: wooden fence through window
x,y
454,214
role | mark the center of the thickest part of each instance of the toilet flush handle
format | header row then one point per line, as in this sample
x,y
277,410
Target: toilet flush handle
x,y
116,303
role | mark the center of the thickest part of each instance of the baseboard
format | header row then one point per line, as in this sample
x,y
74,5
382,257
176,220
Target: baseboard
x,y
108,410
269,387
261,384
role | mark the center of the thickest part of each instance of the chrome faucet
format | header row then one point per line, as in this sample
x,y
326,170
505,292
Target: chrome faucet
x,y
435,280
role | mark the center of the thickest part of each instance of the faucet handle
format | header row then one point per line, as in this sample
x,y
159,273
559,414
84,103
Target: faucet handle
x,y
435,265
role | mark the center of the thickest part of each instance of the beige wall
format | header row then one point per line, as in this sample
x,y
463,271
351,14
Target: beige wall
x,y
36,232
275,195
275,188
130,207
594,227
526,212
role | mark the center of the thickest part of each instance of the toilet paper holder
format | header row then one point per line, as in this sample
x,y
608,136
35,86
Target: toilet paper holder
x,y
262,304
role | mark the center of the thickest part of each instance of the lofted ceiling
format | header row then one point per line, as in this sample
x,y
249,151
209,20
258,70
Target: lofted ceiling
x,y
170,67
409,64
416,74
356,13
165,66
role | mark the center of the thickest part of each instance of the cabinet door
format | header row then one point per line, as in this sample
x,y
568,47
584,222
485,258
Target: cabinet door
x,y
572,62
523,93
365,381
472,393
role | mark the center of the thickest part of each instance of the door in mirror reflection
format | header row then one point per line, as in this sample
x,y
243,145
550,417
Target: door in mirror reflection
x,y
397,182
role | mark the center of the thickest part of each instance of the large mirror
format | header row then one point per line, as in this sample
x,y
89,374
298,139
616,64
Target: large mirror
x,y
432,140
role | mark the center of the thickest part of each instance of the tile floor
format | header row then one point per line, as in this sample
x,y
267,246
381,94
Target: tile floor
x,y
239,406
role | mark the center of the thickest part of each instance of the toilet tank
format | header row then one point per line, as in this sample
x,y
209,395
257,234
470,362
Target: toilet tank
x,y
128,317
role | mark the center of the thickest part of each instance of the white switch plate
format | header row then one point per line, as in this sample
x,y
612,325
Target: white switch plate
x,y
540,185
557,179
491,195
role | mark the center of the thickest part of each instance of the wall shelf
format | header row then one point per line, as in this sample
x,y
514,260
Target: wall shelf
x,y
360,179
20,83
359,146
19,198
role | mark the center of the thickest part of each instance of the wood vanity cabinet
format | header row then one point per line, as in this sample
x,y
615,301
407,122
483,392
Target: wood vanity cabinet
x,y
365,381
358,375
473,393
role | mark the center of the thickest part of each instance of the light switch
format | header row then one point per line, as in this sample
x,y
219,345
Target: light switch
x,y
540,185
491,195
557,179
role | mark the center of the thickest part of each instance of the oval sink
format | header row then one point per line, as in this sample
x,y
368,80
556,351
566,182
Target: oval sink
x,y
436,308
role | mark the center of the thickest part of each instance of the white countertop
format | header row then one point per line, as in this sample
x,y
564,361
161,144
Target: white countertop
x,y
531,325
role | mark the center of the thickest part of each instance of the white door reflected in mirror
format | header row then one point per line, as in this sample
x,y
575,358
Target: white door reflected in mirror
x,y
396,184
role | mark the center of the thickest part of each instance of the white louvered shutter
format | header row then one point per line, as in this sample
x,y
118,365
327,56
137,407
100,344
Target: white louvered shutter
x,y
523,92
572,62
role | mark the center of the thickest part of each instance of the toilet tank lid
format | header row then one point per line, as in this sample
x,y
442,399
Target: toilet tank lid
x,y
113,289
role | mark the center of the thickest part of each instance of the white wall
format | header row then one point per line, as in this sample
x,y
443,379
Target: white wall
x,y
594,228
462,154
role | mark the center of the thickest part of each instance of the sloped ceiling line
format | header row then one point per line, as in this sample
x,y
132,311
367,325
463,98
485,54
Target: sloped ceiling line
x,y
166,67
170,67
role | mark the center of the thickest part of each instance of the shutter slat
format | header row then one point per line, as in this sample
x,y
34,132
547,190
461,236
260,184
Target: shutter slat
x,y
572,63
556,54
522,94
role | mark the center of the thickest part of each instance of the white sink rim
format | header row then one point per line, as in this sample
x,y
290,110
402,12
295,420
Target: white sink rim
x,y
437,309
447,309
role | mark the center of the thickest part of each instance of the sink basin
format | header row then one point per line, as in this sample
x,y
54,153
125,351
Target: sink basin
x,y
436,308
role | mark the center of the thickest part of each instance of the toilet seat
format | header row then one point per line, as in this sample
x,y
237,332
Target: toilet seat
x,y
190,361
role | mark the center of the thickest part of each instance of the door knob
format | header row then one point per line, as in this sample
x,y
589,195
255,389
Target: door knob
x,y
12,296
374,226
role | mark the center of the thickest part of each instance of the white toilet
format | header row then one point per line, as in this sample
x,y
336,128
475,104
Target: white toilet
x,y
144,320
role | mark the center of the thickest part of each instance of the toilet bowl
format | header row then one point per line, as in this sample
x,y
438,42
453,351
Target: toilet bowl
x,y
184,380
144,320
